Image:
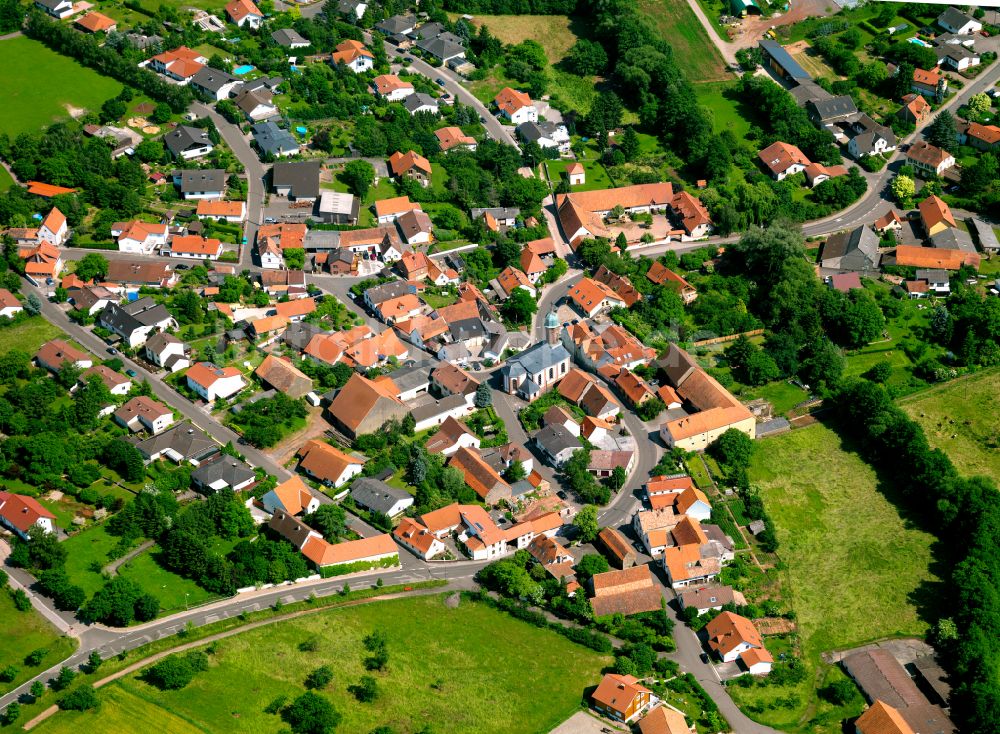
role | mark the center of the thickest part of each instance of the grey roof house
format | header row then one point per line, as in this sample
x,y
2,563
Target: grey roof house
x,y
441,48
225,472
396,24
185,142
377,496
829,111
201,183
183,442
135,321
299,181
273,140
214,83
556,443
420,102
855,250
290,38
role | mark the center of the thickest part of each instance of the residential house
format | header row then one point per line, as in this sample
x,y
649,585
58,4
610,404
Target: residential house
x,y
298,181
391,88
915,109
223,472
629,591
881,718
662,275
854,250
935,216
283,376
576,174
664,719
556,443
480,476
417,539
42,262
181,443
927,158
56,8
134,274
590,297
290,38
888,222
233,212
509,280
548,135
441,48
420,102
186,143
274,141
981,137
534,370
411,165
201,183
292,497
397,25
377,496
450,138
691,214
532,265
20,513
870,138
451,436
352,8
214,383
256,104
516,107
955,21
733,637
244,13
710,598
635,389
449,379
621,697
95,22
582,213
166,351
353,55
932,257
10,306
193,247
363,406
817,173
620,284
783,160
180,64
416,227
938,281
140,238
328,464
929,83
115,382
135,321
215,84
956,57
54,230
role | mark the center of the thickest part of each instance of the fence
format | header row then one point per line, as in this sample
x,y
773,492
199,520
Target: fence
x,y
724,339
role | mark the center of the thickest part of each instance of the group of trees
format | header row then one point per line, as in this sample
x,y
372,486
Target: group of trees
x,y
265,422
966,519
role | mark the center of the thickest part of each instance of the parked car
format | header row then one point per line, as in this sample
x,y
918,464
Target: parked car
x,y
182,266
270,220
131,373
112,350
439,81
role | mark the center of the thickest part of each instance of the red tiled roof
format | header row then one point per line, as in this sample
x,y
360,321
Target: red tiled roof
x,y
22,511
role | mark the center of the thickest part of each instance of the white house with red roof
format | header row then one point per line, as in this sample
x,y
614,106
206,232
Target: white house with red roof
x,y
244,13
516,106
9,305
212,382
140,238
54,229
20,513
180,65
354,56
193,247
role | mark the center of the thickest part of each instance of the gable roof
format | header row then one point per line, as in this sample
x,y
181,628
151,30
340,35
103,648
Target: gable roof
x,y
325,462
451,137
933,211
780,156
240,9
358,398
934,257
323,553
629,591
664,720
400,163
587,293
56,352
207,374
22,511
377,495
616,692
479,475
293,494
280,373
881,718
95,22
510,100
728,631
629,197
929,155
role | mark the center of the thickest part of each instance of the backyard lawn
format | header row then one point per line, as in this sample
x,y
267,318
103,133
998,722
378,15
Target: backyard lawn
x,y
726,112
856,570
695,52
5,180
436,674
959,417
29,335
42,86
32,633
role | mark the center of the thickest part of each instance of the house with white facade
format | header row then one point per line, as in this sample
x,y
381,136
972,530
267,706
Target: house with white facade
x,y
212,382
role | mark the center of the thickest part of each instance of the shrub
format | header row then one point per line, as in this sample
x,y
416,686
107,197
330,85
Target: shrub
x,y
83,698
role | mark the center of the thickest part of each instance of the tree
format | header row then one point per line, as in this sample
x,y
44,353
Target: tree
x,y
840,692
161,114
941,132
359,176
366,689
749,58
92,266
617,479
733,448
319,678
591,564
903,188
176,671
484,396
376,643
11,15
33,306
586,58
519,307
64,679
586,524
629,145
83,698
11,713
330,520
310,713
979,104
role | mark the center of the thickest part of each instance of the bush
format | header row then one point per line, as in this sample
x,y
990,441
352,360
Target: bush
x,y
83,698
310,713
176,671
319,678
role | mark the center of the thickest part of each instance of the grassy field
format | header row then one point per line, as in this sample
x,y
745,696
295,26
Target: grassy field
x,y
856,570
726,113
438,672
6,181
695,52
32,633
959,418
596,175
29,335
42,86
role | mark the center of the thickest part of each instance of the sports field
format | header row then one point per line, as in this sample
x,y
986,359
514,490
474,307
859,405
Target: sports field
x,y
41,86
460,669
696,54
856,570
959,417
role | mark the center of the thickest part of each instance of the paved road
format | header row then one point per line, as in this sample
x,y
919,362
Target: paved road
x,y
163,392
255,172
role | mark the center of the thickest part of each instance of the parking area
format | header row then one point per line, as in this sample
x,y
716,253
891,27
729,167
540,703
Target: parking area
x,y
281,209
584,722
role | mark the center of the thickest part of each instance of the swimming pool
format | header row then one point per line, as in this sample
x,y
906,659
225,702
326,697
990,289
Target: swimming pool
x,y
301,130
241,70
919,42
